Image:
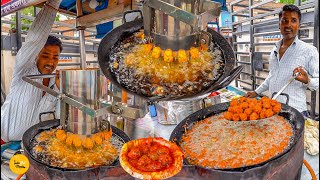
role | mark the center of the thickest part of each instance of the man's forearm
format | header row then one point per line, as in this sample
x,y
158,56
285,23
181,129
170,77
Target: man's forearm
x,y
264,86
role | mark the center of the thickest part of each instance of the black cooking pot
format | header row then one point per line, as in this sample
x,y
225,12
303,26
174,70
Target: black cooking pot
x,y
128,29
283,166
41,170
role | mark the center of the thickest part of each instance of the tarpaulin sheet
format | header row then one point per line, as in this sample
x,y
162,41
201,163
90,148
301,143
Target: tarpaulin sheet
x,y
10,6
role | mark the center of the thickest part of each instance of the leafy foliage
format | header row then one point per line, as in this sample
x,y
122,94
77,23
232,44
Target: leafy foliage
x,y
29,11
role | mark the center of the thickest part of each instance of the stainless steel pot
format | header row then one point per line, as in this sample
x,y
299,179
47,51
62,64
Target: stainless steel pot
x,y
173,112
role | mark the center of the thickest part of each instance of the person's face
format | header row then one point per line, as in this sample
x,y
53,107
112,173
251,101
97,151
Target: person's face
x,y
289,24
48,59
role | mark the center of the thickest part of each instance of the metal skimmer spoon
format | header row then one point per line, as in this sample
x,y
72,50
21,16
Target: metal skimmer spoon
x,y
285,86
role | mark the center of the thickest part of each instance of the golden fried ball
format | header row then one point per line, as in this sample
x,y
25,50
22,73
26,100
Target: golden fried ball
x,y
274,102
262,115
254,116
106,134
87,143
269,113
257,108
266,104
97,139
231,109
243,116
76,141
156,52
277,108
264,98
237,109
242,99
248,111
235,117
61,135
194,53
233,102
252,104
69,139
148,48
182,56
168,55
228,115
244,105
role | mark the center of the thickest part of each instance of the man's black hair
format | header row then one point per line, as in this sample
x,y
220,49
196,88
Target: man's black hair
x,y
52,40
292,8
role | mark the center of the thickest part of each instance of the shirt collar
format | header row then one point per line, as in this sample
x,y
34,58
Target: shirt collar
x,y
278,44
52,81
296,41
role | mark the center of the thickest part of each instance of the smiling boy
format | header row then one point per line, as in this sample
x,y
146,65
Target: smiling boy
x,y
38,55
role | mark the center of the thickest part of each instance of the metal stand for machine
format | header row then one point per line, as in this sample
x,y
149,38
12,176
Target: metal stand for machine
x,y
69,101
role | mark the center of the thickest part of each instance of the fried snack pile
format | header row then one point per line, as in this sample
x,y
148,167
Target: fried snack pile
x,y
67,150
168,55
243,109
144,67
76,140
311,136
170,66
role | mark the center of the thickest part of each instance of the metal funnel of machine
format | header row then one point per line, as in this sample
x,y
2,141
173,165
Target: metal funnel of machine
x,y
88,99
86,87
179,24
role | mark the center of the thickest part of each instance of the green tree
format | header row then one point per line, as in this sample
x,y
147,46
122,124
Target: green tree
x,y
29,11
290,1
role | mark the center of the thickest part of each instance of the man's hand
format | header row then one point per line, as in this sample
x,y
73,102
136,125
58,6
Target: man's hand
x,y
251,94
302,76
57,79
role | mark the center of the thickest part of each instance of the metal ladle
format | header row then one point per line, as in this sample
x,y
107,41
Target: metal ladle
x,y
285,86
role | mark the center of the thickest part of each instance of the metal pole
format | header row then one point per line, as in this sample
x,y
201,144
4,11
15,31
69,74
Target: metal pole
x,y
18,28
298,3
316,24
234,39
252,47
82,46
35,11
316,44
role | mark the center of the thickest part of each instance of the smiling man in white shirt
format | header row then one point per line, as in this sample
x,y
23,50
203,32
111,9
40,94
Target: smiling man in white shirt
x,y
38,55
289,56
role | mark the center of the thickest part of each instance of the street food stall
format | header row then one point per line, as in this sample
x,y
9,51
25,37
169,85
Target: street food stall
x,y
163,56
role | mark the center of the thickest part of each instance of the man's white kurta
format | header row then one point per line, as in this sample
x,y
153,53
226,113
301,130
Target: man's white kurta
x,y
24,102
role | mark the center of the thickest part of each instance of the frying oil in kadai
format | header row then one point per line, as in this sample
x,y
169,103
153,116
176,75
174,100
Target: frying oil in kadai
x,y
146,69
67,150
219,143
